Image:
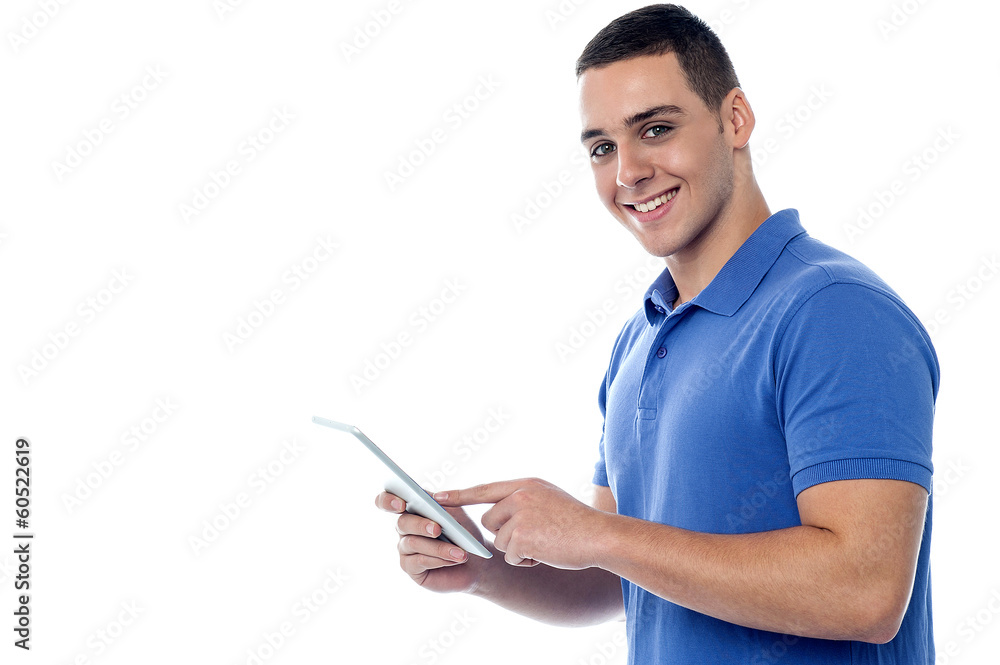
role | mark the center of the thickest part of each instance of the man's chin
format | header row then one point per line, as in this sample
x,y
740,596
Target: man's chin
x,y
658,247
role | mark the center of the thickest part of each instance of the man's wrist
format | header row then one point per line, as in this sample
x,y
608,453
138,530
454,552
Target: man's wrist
x,y
617,546
611,541
484,584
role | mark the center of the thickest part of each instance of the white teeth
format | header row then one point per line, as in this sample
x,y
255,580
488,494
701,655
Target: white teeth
x,y
655,203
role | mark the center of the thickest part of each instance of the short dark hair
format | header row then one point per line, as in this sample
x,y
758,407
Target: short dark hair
x,y
659,29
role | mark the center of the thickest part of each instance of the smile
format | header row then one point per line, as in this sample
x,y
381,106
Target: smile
x,y
655,203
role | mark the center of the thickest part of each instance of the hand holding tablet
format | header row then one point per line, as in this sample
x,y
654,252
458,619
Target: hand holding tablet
x,y
418,501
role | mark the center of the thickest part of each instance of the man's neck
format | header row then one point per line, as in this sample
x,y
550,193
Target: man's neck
x,y
694,268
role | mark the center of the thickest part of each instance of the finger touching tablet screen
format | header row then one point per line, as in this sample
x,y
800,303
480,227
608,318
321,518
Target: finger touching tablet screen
x,y
418,501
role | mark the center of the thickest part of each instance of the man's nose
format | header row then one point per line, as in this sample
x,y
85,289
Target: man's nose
x,y
634,166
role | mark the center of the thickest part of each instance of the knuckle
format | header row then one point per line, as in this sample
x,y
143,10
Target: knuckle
x,y
408,524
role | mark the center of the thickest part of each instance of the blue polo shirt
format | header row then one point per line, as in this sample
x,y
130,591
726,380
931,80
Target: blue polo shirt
x,y
796,365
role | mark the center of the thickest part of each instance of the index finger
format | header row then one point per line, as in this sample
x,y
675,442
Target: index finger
x,y
487,493
389,503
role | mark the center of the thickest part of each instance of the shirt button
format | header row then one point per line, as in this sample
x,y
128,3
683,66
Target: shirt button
x,y
660,309
660,352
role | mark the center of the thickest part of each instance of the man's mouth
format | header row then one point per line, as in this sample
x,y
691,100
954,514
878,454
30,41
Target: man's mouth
x,y
648,206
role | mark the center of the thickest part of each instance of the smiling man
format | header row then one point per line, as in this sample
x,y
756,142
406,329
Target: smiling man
x,y
764,471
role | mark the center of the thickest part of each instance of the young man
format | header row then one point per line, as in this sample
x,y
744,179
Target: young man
x,y
764,472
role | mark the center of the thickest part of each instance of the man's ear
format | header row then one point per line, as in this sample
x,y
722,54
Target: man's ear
x,y
737,118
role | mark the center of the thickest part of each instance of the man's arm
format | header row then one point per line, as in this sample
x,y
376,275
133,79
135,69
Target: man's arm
x,y
562,597
845,574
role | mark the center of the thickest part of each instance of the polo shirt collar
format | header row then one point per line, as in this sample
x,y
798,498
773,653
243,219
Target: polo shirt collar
x,y
732,286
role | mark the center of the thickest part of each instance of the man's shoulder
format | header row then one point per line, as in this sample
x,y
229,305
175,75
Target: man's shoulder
x,y
810,274
808,265
817,288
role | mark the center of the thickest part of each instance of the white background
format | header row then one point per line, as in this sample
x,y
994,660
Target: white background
x,y
523,289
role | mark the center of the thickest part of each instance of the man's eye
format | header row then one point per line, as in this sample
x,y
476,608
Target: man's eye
x,y
657,130
602,149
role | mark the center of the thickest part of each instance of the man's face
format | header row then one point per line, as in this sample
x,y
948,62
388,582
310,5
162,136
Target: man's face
x,y
654,144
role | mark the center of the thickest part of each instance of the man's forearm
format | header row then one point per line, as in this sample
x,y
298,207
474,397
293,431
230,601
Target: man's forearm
x,y
552,595
798,580
845,574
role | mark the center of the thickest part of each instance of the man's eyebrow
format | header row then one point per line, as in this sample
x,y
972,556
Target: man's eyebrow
x,y
642,116
588,134
633,120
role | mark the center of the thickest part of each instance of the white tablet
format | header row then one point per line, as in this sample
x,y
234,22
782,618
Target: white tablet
x,y
417,500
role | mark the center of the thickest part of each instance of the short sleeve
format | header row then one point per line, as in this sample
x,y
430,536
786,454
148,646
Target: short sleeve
x,y
601,467
620,346
856,379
